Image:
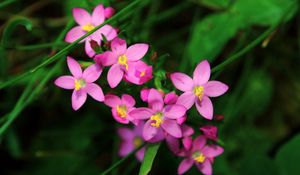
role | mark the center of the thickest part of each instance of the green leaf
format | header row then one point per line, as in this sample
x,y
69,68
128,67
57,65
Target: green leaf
x,y
288,157
150,154
215,4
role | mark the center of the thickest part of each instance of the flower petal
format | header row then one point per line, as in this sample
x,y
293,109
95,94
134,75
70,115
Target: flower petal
x,y
212,151
155,100
187,130
98,15
81,16
74,34
66,82
182,82
112,100
108,31
186,99
94,91
173,144
74,67
140,154
136,51
171,127
107,58
149,131
118,46
109,12
205,167
88,49
187,142
118,118
128,100
199,143
141,113
126,134
115,75
170,98
158,137
92,73
205,107
215,88
202,73
174,111
78,99
126,148
185,165
144,94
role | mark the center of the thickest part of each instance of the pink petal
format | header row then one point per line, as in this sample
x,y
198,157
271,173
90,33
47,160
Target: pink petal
x,y
182,82
126,148
140,154
149,131
205,167
170,98
186,99
158,137
112,100
126,134
141,113
144,94
187,142
81,16
155,100
212,151
202,73
115,75
119,118
98,15
66,82
78,99
174,111
74,67
109,12
118,46
107,58
173,143
215,88
108,31
205,107
92,73
128,100
94,91
136,52
172,128
74,34
187,130
181,120
89,50
185,165
199,143
138,129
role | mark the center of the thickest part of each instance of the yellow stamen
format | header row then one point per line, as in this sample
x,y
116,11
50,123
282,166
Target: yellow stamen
x,y
199,157
123,61
199,91
80,83
122,111
88,27
142,74
137,141
157,119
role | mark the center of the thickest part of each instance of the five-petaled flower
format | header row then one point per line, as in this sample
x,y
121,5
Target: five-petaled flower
x,y
87,23
81,82
199,89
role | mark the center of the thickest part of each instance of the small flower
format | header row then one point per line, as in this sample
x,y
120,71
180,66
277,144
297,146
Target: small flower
x,y
201,155
130,140
109,12
82,83
139,73
160,118
87,23
121,107
210,132
199,89
121,58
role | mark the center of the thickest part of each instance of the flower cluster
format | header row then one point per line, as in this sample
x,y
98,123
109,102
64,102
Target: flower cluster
x,y
165,115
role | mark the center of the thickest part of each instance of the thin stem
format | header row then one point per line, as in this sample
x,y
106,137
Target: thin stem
x,y
37,46
6,3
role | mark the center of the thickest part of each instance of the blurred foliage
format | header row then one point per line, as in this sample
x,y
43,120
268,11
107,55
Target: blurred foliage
x,y
261,123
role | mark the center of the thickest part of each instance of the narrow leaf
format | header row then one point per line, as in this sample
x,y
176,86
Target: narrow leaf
x,y
150,154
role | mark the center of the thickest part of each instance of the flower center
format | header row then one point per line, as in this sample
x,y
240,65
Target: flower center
x,y
142,73
123,61
156,119
122,111
80,83
199,157
88,27
137,141
199,91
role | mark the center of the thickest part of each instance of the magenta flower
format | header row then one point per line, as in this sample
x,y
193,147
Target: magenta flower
x,y
130,140
210,132
87,23
82,83
201,155
109,12
121,58
199,89
160,118
139,73
121,107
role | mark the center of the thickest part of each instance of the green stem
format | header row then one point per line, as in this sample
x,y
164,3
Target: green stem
x,y
37,46
6,3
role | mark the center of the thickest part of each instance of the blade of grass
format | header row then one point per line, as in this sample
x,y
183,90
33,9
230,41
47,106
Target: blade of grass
x,y
70,46
150,154
37,46
6,3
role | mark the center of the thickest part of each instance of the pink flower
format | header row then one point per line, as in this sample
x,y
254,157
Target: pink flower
x,y
121,58
121,107
87,23
199,89
160,118
130,140
210,132
201,155
109,12
82,83
139,73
